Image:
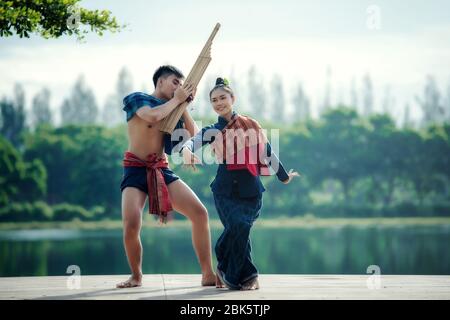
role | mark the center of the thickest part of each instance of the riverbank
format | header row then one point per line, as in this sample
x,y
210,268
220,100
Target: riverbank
x,y
281,222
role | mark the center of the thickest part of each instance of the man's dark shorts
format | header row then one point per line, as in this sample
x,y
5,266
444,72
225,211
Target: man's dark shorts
x,y
137,177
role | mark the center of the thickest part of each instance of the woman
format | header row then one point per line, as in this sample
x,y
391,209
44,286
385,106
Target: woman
x,y
243,152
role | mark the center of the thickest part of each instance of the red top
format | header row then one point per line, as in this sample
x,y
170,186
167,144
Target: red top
x,y
245,148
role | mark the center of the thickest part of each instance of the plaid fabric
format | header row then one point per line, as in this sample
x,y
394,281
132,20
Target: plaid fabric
x,y
242,146
158,193
136,100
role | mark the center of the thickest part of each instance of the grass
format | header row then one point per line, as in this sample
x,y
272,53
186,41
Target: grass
x,y
307,221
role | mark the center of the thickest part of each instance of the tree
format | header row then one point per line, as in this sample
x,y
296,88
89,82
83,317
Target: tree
x,y
432,108
53,18
83,163
202,103
57,152
12,116
81,106
41,113
388,101
19,180
407,123
278,102
256,93
124,83
382,159
302,105
353,95
110,115
367,96
112,110
327,96
341,142
447,104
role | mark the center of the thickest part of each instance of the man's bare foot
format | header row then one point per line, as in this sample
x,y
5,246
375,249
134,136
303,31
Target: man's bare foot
x,y
130,283
251,284
208,280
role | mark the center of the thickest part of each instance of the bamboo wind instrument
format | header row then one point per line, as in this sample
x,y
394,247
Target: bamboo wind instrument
x,y
194,77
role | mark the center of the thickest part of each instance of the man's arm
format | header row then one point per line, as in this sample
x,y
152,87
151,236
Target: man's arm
x,y
158,113
190,124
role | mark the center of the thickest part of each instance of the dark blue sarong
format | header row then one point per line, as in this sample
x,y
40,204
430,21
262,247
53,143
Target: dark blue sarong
x,y
233,248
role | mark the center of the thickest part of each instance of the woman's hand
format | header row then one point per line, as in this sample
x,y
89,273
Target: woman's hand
x,y
190,159
291,175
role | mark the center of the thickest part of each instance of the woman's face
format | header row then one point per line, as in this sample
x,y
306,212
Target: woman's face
x,y
222,102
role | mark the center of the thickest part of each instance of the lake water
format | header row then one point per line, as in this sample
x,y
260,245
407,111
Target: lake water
x,y
345,250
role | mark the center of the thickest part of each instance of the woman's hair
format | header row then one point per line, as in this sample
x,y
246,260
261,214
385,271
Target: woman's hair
x,y
222,83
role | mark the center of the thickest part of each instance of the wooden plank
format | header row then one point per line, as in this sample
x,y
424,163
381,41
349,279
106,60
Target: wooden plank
x,y
187,286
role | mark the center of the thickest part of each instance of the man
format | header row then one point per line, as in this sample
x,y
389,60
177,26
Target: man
x,y
146,172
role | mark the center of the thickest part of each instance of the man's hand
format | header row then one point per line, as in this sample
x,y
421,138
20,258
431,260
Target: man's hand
x,y
192,96
291,175
190,159
182,94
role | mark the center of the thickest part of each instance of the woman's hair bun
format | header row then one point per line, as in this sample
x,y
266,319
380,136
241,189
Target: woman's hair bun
x,y
222,82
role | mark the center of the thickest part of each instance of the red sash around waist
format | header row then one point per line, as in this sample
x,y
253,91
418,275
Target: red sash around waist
x,y
158,193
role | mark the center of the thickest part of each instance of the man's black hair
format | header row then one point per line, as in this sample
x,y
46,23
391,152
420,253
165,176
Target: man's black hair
x,y
165,71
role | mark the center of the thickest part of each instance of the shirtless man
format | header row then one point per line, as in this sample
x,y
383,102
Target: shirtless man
x,y
146,173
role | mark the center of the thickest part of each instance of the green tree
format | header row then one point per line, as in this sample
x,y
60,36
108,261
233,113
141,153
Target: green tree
x,y
81,106
41,113
53,18
12,116
256,94
432,107
112,113
19,180
382,159
278,111
302,104
340,142
83,163
57,152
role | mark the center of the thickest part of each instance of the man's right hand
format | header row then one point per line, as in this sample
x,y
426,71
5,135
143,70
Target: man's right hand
x,y
182,94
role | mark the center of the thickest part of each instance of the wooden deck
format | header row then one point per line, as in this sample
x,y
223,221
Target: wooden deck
x,y
187,286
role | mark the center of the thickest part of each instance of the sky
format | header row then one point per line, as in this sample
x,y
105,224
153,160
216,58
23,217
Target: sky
x,y
398,44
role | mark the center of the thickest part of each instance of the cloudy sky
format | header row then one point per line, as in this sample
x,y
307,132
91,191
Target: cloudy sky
x,y
297,40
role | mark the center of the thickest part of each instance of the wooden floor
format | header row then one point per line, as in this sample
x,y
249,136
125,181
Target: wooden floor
x,y
187,286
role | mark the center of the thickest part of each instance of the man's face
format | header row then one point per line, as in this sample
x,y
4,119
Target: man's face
x,y
169,85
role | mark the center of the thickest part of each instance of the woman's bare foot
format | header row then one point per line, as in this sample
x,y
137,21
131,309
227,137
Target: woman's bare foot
x,y
130,283
208,279
251,284
219,283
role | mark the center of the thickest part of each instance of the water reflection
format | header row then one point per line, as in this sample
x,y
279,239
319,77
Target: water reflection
x,y
348,250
